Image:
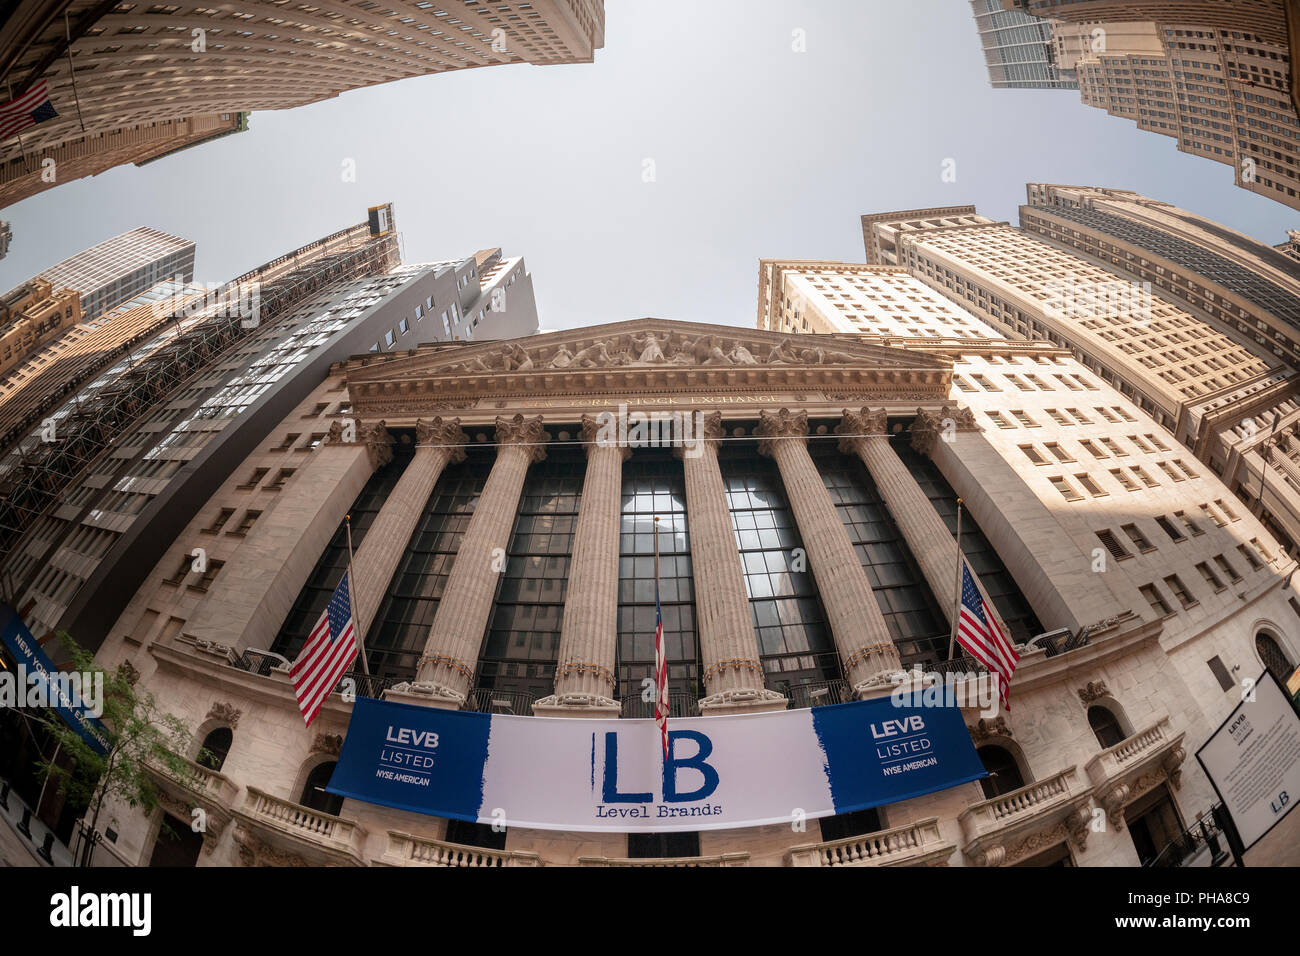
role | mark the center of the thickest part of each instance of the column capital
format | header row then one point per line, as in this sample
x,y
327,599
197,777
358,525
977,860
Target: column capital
x,y
525,432
858,426
780,425
376,438
444,433
591,437
930,425
708,428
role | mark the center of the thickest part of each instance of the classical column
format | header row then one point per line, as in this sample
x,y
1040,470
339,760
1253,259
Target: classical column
x,y
860,631
928,538
438,444
446,671
584,678
733,674
250,599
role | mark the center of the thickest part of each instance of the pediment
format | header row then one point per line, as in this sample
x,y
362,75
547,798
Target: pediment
x,y
647,354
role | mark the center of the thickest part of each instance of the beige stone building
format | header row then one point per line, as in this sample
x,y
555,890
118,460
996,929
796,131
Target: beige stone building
x,y
848,449
1212,386
32,314
135,80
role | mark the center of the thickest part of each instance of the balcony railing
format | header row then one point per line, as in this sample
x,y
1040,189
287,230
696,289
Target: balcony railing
x,y
915,844
487,701
816,693
407,850
726,859
1009,820
197,779
680,704
322,830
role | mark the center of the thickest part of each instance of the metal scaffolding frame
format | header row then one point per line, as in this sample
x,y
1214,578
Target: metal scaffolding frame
x,y
47,471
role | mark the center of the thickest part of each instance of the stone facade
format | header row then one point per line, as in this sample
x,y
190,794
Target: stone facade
x,y
529,399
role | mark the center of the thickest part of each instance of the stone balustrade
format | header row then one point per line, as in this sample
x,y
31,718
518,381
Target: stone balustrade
x,y
1013,825
200,781
726,859
1122,773
272,815
407,850
915,844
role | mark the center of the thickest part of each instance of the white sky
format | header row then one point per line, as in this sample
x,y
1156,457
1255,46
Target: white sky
x,y
759,151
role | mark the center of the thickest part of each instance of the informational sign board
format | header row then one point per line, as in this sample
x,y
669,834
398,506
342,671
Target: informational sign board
x,y
35,667
589,775
1253,761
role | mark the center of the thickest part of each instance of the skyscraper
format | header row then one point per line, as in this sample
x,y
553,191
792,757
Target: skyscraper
x,y
114,72
1213,385
1018,49
115,270
1215,75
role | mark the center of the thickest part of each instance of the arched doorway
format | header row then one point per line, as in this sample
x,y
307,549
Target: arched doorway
x,y
1004,771
177,844
1274,658
1105,725
314,796
215,748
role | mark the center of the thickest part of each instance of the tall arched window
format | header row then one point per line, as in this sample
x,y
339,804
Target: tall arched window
x,y
1004,772
1274,658
1105,725
216,745
313,791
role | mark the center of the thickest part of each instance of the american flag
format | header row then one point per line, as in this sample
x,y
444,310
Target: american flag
x,y
25,111
329,652
978,631
661,673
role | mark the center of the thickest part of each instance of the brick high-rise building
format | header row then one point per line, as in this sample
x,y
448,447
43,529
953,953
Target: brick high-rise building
x,y
144,79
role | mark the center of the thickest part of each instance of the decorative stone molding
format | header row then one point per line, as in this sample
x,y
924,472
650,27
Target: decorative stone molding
x,y
129,673
331,744
439,432
1094,690
1019,824
525,432
930,426
228,714
1137,764
986,729
778,426
254,852
914,844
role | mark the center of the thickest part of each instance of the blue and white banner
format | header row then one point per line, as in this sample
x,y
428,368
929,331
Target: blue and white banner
x,y
721,773
55,690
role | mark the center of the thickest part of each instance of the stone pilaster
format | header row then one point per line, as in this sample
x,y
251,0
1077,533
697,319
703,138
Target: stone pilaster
x,y
252,596
446,671
439,444
866,648
733,674
584,677
927,536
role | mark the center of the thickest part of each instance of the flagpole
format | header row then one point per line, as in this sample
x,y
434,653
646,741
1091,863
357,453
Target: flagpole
x,y
956,597
661,652
352,599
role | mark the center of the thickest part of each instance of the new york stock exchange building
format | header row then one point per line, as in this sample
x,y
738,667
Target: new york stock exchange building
x,y
805,512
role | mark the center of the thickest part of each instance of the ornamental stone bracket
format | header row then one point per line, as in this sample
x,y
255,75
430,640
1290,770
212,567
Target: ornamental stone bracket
x,y
943,425
1093,691
1136,765
985,729
744,701
1017,825
227,713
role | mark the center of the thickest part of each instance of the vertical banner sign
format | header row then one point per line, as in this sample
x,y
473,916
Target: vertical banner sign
x,y
1253,761
38,668
720,773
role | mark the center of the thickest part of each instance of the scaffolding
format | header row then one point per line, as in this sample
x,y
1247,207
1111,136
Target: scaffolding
x,y
45,471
